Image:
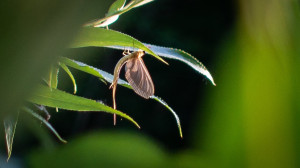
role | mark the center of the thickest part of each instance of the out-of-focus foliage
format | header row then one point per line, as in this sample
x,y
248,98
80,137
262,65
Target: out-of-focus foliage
x,y
31,34
31,38
108,149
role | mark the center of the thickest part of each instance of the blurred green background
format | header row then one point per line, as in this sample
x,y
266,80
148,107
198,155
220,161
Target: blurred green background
x,y
250,119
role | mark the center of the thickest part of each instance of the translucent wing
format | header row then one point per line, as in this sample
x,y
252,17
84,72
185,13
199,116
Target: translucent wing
x,y
139,78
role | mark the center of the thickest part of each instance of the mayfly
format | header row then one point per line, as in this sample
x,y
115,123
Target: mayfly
x,y
136,74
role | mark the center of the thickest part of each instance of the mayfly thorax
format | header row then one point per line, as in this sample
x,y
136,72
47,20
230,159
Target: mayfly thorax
x,y
136,74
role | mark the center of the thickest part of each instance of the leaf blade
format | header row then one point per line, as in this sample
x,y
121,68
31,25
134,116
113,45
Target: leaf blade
x,y
158,99
57,98
66,69
48,125
114,15
116,6
10,128
179,55
93,71
53,77
99,37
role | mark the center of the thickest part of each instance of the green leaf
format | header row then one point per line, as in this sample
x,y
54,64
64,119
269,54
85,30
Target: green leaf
x,y
53,77
173,112
10,125
109,149
116,6
66,69
92,70
113,15
179,55
109,78
138,3
40,118
57,98
99,37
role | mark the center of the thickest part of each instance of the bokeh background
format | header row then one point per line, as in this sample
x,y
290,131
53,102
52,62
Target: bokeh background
x,y
250,119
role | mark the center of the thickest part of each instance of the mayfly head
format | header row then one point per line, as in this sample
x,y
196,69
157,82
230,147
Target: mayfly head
x,y
140,53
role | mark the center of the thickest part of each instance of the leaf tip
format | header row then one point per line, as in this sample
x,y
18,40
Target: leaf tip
x,y
180,130
75,89
208,75
139,127
162,60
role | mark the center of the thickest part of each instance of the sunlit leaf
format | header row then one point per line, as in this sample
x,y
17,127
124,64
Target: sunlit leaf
x,y
10,125
99,37
114,14
109,78
40,118
66,69
116,6
169,108
57,98
138,3
177,54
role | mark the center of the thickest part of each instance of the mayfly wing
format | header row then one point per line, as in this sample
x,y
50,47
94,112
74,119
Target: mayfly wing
x,y
139,78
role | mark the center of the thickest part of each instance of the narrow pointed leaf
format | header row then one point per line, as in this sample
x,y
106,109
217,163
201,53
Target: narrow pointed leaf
x,y
47,124
115,15
173,112
53,77
91,70
109,78
66,69
99,37
10,125
44,110
116,6
138,3
57,98
179,55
